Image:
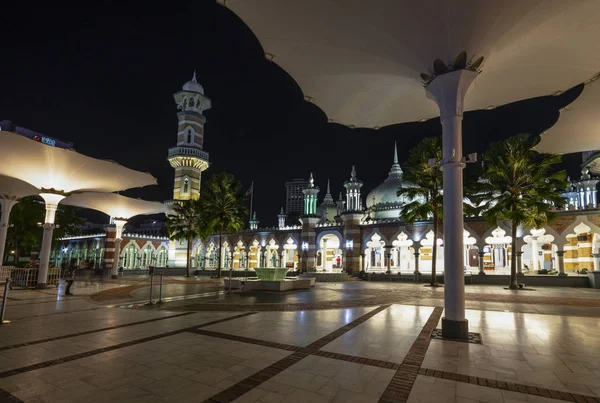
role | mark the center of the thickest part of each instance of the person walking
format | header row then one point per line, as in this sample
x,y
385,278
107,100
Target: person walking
x,y
69,276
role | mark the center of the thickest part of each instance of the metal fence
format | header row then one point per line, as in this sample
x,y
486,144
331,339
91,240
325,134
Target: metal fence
x,y
27,278
5,272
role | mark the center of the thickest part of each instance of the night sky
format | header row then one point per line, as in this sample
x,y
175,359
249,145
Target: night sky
x,y
102,76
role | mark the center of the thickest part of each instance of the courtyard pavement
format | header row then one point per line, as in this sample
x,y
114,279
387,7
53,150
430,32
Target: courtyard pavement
x,y
103,344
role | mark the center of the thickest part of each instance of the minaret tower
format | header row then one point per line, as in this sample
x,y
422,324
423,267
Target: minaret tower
x,y
188,157
353,200
281,219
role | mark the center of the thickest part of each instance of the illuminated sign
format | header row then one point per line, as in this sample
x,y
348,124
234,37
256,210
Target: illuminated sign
x,y
7,125
45,140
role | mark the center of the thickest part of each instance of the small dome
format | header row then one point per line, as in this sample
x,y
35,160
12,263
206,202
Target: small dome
x,y
386,192
193,85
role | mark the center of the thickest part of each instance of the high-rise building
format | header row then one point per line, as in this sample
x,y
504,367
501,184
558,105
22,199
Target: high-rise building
x,y
188,157
294,198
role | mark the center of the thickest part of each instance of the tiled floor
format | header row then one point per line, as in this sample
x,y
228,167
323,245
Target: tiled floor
x,y
299,328
548,351
319,379
402,324
101,354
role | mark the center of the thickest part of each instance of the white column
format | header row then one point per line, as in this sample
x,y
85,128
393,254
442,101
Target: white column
x,y
561,262
52,201
596,261
534,253
594,198
449,91
7,205
324,255
119,224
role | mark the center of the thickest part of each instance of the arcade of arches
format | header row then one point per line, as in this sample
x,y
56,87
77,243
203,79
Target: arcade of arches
x,y
572,241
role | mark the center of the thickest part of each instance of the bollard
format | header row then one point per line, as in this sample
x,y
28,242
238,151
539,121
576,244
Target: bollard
x,y
229,292
6,285
151,286
160,301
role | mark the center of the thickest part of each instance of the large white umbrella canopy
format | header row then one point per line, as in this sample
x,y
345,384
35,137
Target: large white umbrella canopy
x,y
116,206
57,172
578,127
119,207
63,170
11,190
360,61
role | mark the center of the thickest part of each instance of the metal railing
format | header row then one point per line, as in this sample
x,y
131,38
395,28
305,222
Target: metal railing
x,y
27,278
188,151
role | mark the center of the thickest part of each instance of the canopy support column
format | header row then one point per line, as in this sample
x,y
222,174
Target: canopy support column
x,y
448,91
7,205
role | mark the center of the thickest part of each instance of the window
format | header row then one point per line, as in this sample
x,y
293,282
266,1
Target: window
x,y
189,138
186,186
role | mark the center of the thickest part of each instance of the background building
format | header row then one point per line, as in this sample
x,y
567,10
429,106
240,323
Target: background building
x,y
294,196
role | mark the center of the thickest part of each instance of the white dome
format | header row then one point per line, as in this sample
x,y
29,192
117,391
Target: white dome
x,y
193,86
385,194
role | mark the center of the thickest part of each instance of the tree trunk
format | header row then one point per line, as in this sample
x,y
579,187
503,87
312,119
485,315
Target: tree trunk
x,y
220,254
189,252
513,262
434,250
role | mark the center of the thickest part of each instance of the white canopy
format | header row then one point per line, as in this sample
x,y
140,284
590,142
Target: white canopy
x,y
11,188
115,205
578,127
47,167
360,60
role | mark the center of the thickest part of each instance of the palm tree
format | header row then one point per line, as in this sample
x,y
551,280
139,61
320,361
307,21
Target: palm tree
x,y
521,187
186,222
223,202
424,192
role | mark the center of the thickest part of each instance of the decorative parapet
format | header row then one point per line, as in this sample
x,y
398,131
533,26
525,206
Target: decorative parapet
x,y
72,237
328,224
143,236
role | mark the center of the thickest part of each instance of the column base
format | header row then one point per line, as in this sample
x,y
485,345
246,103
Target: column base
x,y
455,329
562,274
114,276
520,274
40,286
481,273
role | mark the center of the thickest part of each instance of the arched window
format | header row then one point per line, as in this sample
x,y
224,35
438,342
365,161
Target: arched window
x,y
186,186
189,136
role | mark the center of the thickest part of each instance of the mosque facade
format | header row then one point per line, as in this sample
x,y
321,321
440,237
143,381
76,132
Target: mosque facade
x,y
343,235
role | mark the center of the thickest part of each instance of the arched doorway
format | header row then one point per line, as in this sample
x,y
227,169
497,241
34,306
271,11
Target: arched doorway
x,y
254,255
329,255
374,254
239,255
538,252
426,254
290,254
162,256
131,257
271,255
497,252
401,255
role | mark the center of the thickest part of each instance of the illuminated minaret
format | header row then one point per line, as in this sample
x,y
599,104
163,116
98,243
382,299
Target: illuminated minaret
x,y
188,157
353,200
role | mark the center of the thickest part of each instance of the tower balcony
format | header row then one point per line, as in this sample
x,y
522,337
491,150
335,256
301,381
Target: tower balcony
x,y
188,157
188,152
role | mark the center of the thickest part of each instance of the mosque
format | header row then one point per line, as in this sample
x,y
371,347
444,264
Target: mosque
x,y
342,235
